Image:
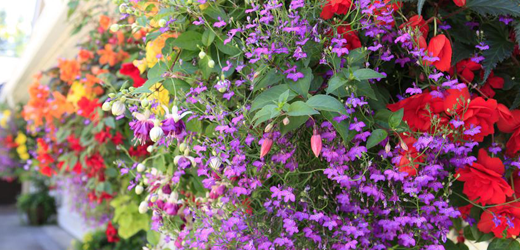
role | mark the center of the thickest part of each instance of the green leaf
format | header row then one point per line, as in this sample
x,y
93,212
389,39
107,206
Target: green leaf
x,y
376,137
268,112
517,32
270,96
175,85
342,127
153,237
364,88
294,123
366,74
516,102
494,7
207,37
110,122
303,84
327,103
420,5
157,70
188,40
504,244
300,108
468,234
204,68
335,82
500,47
272,77
395,118
227,49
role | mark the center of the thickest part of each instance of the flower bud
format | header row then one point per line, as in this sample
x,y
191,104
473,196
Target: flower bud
x,y
182,147
118,108
149,149
143,207
202,54
153,198
139,189
211,64
316,143
222,90
286,121
187,152
144,103
114,27
387,147
156,133
176,159
106,106
112,95
268,128
162,23
215,163
266,147
140,167
122,8
154,171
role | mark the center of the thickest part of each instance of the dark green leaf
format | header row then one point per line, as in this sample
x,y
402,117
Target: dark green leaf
x,y
303,84
395,118
342,127
174,85
268,112
270,96
494,7
300,108
294,123
272,77
335,82
504,244
376,137
207,37
188,40
227,49
327,103
516,102
500,47
366,74
364,88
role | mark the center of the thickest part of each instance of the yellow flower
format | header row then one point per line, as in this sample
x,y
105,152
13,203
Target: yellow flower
x,y
22,149
141,65
24,156
20,138
204,6
5,118
77,91
154,48
160,95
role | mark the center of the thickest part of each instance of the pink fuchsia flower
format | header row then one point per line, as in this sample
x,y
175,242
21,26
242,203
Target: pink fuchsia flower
x,y
142,126
173,125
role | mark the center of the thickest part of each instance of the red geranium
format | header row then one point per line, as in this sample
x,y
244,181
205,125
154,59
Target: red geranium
x,y
501,218
417,21
483,180
460,3
410,158
340,7
103,136
440,47
509,122
350,35
128,69
96,166
477,113
87,108
111,233
74,143
419,109
117,139
465,70
493,82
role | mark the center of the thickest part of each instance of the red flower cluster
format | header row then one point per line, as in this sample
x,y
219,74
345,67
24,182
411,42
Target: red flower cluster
x,y
88,107
111,233
96,166
466,70
128,69
340,7
501,218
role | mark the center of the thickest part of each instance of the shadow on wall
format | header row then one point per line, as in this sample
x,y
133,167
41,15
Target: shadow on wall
x,y
10,190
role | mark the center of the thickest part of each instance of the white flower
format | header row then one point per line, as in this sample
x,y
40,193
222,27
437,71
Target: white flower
x,y
175,113
156,133
118,108
143,207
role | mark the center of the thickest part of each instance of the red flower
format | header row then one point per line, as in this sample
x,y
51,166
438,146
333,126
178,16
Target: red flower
x,y
465,70
96,166
138,151
493,82
509,122
111,233
74,143
77,168
417,21
501,218
418,111
117,139
103,136
128,69
410,158
340,7
460,3
465,210
478,113
483,180
440,47
87,108
350,35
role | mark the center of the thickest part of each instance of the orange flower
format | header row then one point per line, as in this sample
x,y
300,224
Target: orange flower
x,y
69,70
85,55
108,56
59,106
104,22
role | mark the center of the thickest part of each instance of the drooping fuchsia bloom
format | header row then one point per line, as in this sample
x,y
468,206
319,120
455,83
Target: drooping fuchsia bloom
x,y
266,146
316,143
142,126
173,125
